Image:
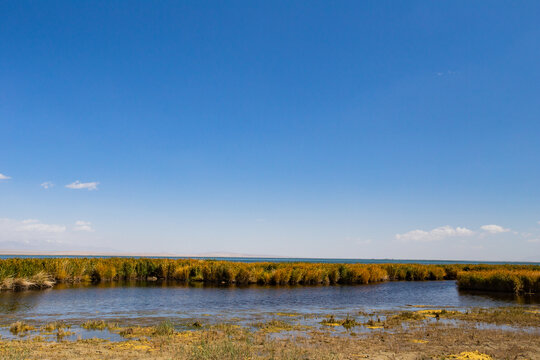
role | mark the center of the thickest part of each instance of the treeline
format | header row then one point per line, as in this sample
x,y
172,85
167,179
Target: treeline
x,y
49,270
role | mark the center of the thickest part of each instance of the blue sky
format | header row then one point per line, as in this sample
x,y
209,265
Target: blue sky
x,y
376,129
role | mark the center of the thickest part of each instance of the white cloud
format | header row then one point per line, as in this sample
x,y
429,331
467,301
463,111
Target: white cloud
x,y
434,234
32,234
79,185
494,229
29,230
4,177
534,241
32,225
47,185
83,226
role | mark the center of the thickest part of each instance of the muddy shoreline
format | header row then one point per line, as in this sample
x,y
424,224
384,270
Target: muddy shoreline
x,y
424,333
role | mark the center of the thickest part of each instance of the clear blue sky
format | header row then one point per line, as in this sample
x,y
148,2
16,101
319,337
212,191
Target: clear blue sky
x,y
366,129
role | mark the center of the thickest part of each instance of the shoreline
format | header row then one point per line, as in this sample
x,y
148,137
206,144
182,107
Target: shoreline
x,y
482,334
240,257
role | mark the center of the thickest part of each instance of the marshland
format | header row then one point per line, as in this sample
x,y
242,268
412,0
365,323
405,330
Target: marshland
x,y
269,180
417,333
215,309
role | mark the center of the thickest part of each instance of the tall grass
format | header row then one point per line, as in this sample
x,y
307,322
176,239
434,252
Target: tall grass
x,y
517,281
39,280
49,270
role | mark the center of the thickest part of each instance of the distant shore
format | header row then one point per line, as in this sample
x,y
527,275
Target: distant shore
x,y
250,257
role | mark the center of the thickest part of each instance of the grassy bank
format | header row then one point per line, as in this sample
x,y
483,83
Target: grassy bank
x,y
35,272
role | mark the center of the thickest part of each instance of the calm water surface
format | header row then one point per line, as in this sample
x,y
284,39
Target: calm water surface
x,y
284,259
161,300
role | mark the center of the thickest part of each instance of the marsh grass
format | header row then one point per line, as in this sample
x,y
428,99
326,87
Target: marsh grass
x,y
517,316
39,280
273,326
431,341
330,321
20,328
136,331
54,326
221,348
428,340
374,324
99,325
399,318
516,281
23,273
165,328
61,333
347,323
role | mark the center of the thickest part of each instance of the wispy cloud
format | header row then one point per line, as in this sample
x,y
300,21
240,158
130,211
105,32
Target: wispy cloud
x,y
534,241
435,234
80,185
446,73
83,226
33,225
449,231
4,177
47,185
15,230
33,232
494,229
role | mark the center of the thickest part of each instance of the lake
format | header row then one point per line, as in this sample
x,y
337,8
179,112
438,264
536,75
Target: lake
x,y
136,301
285,259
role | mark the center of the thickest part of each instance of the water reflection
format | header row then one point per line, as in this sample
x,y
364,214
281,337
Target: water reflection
x,y
17,301
158,299
525,299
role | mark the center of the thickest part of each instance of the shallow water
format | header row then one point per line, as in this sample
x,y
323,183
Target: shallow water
x,y
154,300
74,333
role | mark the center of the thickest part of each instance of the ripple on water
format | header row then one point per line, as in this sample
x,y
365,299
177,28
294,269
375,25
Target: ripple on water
x,y
151,301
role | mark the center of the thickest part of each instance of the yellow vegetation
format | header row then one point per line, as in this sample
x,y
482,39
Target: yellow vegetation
x,y
287,314
131,345
435,312
21,273
20,327
514,280
473,355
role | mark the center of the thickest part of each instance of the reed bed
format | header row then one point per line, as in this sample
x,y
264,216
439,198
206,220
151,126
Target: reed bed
x,y
519,281
44,272
39,280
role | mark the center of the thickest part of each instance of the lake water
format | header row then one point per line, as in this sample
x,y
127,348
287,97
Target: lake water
x,y
150,301
283,259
